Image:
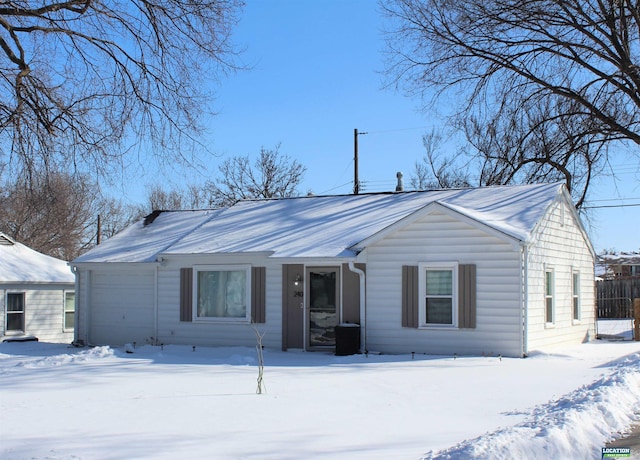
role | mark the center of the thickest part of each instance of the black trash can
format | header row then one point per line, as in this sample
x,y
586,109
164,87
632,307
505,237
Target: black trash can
x,y
347,339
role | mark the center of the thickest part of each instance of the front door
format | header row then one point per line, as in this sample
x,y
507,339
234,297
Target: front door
x,y
323,301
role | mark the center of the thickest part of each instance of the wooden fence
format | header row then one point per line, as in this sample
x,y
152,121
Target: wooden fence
x,y
614,298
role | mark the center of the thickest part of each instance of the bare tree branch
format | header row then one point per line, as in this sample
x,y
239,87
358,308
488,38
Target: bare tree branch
x,y
82,81
545,87
272,176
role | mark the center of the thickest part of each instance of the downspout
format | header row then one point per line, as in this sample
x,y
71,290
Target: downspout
x,y
155,305
87,314
76,313
363,305
525,299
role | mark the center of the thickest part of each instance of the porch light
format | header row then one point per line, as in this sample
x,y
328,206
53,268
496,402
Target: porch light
x,y
298,280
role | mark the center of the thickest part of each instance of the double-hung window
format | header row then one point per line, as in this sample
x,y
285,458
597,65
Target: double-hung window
x,y
575,289
438,288
222,293
69,310
15,311
549,289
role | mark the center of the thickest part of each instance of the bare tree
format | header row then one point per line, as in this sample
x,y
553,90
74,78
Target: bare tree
x,y
576,60
115,216
272,176
260,352
533,145
437,170
52,214
160,199
191,196
85,80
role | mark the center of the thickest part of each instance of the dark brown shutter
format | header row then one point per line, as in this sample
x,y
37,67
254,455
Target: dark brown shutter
x,y
186,294
410,296
258,294
467,296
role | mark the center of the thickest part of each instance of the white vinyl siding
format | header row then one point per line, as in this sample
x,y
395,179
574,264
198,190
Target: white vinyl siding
x,y
43,311
217,333
440,238
559,244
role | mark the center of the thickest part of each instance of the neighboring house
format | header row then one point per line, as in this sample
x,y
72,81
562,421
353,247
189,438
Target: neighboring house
x,y
619,265
498,270
38,294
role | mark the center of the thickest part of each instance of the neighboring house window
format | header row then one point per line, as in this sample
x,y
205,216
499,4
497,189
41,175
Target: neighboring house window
x,y
576,295
222,292
438,286
548,295
69,310
15,311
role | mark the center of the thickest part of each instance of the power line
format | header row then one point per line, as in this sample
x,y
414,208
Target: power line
x,y
631,205
615,199
334,188
396,130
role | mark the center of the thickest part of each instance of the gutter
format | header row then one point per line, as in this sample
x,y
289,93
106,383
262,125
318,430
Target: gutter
x,y
363,305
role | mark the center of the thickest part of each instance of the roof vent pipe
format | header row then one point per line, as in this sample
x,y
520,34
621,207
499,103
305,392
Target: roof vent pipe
x,y
400,185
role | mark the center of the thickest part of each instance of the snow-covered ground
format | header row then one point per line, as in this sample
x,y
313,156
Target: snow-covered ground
x,y
173,402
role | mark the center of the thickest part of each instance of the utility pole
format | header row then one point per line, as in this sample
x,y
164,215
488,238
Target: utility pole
x,y
99,231
356,181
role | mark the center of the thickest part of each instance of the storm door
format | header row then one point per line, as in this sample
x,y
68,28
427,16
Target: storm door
x,y
323,300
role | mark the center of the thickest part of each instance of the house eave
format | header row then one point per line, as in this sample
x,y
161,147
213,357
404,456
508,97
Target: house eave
x,y
216,253
115,264
4,283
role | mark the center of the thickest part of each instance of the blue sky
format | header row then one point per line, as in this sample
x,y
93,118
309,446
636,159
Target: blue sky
x,y
315,77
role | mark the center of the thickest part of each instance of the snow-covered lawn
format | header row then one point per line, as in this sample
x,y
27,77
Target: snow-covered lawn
x,y
58,402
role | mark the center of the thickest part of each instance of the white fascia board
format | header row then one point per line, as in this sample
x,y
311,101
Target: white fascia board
x,y
33,284
574,213
315,260
429,209
112,265
169,255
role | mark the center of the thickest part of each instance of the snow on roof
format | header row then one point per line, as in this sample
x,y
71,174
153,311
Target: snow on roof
x,y
622,258
21,264
511,210
143,243
323,226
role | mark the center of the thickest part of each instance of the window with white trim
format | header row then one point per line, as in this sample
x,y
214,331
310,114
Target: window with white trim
x,y
222,293
438,299
69,310
575,289
549,289
15,312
